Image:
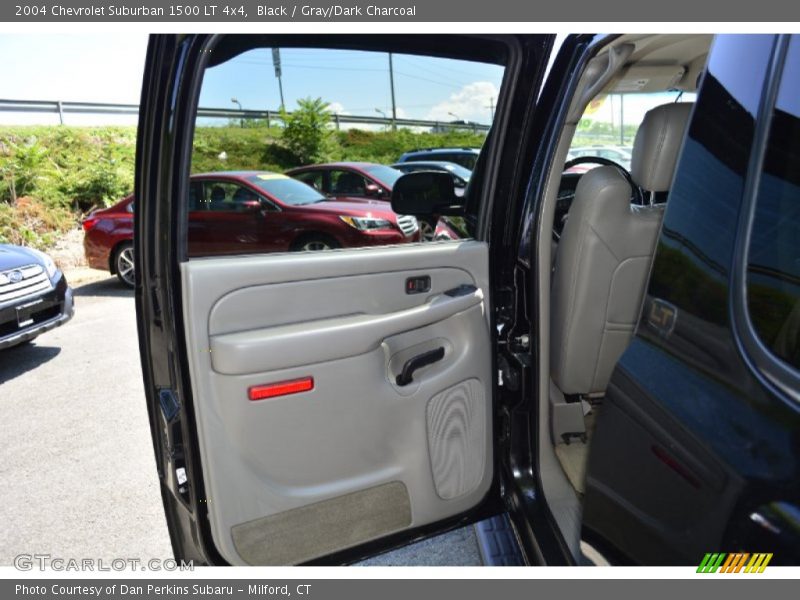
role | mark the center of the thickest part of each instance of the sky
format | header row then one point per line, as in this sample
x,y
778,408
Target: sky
x,y
90,67
108,68
97,67
358,83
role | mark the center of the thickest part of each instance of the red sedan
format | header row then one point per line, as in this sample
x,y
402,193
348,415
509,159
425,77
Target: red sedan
x,y
362,182
247,212
352,181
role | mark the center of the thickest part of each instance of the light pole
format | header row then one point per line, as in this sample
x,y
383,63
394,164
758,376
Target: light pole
x,y
276,62
383,114
239,104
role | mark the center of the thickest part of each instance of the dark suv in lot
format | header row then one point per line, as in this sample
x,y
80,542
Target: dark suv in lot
x,y
34,295
466,157
606,364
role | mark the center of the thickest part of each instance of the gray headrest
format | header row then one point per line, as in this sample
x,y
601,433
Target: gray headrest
x,y
657,143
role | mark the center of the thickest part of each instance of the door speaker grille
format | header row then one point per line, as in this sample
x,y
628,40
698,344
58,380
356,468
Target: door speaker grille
x,y
457,438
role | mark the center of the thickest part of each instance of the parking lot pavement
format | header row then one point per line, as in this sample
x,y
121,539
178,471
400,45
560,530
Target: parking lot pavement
x,y
78,471
77,467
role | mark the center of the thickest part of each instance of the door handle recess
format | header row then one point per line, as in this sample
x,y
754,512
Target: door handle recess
x,y
421,360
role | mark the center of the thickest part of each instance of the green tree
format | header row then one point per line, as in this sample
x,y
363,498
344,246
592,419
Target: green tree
x,y
307,134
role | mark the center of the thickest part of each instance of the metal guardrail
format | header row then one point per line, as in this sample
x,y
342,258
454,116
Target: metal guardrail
x,y
63,108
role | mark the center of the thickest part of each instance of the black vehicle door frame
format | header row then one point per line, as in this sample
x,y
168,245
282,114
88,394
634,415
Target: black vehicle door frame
x,y
170,89
539,533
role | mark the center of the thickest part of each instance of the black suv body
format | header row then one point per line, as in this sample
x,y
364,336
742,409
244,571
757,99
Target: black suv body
x,y
703,406
697,447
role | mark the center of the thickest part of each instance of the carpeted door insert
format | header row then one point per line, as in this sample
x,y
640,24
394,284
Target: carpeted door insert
x,y
308,532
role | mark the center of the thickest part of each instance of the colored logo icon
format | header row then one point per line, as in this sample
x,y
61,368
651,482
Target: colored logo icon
x,y
736,562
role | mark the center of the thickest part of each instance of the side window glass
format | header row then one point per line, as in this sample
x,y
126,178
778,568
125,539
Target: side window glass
x,y
773,260
214,196
196,200
227,197
315,179
347,183
308,144
467,161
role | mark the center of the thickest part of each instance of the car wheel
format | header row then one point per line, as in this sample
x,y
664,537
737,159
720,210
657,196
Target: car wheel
x,y
427,232
123,264
315,243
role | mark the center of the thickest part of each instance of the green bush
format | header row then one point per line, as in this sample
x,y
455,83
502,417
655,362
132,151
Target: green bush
x,y
23,165
307,132
70,167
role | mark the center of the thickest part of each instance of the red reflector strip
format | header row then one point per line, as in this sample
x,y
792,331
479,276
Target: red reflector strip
x,y
281,388
675,465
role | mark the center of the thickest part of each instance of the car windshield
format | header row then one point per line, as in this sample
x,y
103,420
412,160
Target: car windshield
x,y
610,122
387,175
465,158
286,190
458,171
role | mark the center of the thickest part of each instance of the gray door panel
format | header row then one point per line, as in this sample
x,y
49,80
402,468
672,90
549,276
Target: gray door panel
x,y
358,449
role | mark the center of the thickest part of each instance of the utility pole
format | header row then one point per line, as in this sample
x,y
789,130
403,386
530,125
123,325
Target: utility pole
x,y
621,120
491,109
391,85
276,62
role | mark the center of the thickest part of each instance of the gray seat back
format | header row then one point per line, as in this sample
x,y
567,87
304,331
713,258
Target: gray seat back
x,y
604,257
